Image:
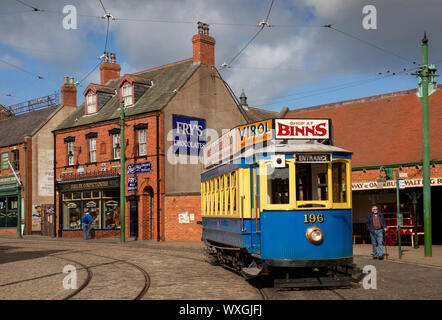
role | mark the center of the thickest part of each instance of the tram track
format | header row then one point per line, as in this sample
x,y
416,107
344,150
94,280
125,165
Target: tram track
x,y
88,267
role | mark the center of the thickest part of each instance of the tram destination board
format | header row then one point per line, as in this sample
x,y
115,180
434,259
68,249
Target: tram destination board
x,y
316,158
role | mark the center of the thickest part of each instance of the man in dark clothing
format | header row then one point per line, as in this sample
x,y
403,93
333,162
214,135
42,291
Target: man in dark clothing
x,y
376,226
87,221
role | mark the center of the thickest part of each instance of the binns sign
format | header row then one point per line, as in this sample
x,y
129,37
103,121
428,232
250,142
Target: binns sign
x,y
302,129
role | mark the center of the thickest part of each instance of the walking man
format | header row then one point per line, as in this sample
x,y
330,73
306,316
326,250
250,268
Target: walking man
x,y
87,221
376,226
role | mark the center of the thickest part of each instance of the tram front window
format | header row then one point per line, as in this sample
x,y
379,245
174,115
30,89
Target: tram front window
x,y
311,182
278,185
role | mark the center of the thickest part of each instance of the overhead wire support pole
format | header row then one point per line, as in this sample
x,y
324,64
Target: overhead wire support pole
x,y
426,73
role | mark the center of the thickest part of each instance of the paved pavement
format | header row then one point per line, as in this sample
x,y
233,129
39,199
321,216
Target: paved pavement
x,y
32,268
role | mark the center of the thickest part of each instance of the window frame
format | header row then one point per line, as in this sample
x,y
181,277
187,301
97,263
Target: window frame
x,y
347,204
139,131
88,96
114,148
15,159
263,203
70,143
90,149
124,96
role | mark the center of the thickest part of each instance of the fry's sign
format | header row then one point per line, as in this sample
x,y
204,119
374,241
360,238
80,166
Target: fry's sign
x,y
302,129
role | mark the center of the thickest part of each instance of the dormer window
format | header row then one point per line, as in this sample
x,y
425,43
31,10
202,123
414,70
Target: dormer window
x,y
132,87
91,101
127,94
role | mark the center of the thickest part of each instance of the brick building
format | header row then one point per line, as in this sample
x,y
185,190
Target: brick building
x,y
167,109
385,134
26,144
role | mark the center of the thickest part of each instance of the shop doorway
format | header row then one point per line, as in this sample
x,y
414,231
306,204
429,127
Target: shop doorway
x,y
133,208
148,212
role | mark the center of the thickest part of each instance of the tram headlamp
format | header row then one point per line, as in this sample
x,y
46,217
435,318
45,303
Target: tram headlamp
x,y
314,235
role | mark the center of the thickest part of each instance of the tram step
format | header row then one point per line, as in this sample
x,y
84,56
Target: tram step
x,y
251,272
311,282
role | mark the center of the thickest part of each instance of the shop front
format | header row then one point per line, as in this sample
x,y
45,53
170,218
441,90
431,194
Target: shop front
x,y
98,196
9,204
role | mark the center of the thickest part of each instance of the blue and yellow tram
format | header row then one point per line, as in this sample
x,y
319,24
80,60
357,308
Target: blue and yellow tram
x,y
275,196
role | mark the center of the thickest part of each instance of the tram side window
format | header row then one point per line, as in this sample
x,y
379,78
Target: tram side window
x,y
339,176
311,182
278,185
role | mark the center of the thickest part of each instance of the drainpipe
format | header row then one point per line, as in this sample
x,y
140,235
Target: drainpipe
x,y
25,187
158,177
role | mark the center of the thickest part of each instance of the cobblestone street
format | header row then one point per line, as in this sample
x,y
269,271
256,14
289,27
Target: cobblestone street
x,y
32,268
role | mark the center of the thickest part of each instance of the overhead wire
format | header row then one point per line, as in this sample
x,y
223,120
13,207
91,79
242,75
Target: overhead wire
x,y
315,92
368,43
263,24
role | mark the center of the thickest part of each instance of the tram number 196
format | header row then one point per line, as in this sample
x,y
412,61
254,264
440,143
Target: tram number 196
x,y
312,218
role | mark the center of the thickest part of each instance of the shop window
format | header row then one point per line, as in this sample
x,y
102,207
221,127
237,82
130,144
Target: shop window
x,y
103,206
8,212
278,185
339,177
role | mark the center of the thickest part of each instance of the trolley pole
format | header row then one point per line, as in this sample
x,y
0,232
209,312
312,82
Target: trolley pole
x,y
426,149
399,215
122,177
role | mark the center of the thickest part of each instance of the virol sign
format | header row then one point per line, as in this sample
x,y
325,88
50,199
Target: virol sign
x,y
302,129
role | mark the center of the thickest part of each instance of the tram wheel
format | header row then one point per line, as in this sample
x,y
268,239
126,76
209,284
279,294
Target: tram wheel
x,y
390,238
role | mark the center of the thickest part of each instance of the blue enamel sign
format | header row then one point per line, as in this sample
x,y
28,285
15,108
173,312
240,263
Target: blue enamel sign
x,y
189,135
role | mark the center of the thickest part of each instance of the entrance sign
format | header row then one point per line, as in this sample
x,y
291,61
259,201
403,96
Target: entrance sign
x,y
313,158
302,129
189,134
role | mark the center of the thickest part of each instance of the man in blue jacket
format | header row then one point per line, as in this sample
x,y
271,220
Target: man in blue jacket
x,y
376,226
87,221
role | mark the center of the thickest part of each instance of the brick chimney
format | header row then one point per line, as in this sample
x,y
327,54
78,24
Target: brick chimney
x,y
203,46
4,113
69,92
109,70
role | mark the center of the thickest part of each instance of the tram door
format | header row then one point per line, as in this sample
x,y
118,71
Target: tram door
x,y
133,205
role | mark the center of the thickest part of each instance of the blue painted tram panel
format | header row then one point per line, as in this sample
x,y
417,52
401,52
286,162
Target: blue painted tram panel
x,y
280,195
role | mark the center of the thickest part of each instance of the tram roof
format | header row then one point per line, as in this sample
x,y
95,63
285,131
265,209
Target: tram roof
x,y
282,147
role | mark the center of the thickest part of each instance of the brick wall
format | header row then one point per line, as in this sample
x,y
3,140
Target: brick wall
x,y
175,205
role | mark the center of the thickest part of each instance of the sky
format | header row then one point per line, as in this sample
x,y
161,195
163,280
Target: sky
x,y
296,62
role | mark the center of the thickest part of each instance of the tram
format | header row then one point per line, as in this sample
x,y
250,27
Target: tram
x,y
276,200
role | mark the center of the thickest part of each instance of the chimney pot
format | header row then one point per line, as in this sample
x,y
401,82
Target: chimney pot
x,y
112,57
69,92
203,46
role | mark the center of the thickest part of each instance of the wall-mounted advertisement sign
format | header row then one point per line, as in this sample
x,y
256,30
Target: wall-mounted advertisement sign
x,y
302,129
139,168
132,184
4,160
189,135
